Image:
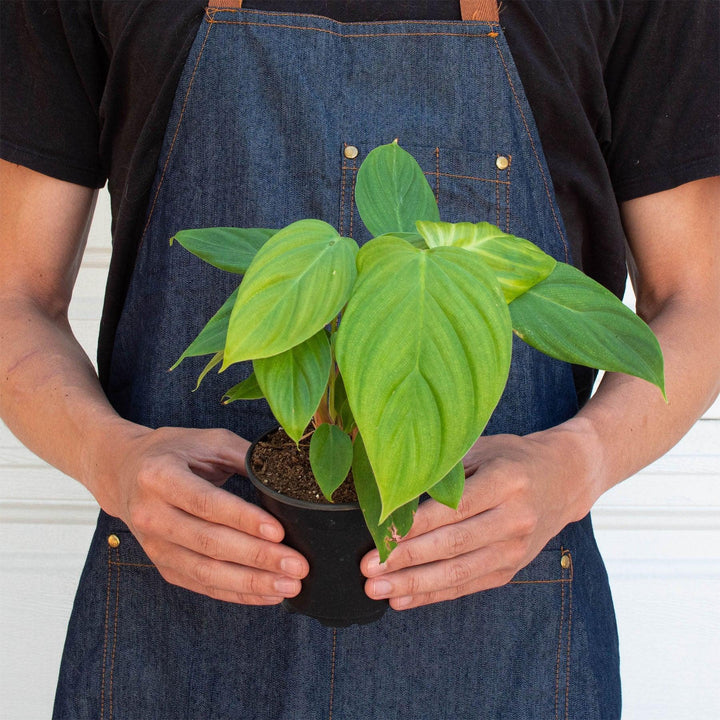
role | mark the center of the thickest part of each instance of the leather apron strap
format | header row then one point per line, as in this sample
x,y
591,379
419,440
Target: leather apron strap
x,y
477,10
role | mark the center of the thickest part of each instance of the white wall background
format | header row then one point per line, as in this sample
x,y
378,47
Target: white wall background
x,y
660,533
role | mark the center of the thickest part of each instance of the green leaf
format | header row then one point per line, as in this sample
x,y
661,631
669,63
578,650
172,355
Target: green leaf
x,y
299,281
414,239
294,382
386,533
391,191
247,389
518,264
211,338
227,248
450,489
216,360
331,455
571,317
424,350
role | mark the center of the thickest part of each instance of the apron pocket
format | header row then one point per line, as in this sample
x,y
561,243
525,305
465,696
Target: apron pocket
x,y
468,186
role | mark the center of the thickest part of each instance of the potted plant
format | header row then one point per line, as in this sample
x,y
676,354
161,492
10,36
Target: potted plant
x,y
388,360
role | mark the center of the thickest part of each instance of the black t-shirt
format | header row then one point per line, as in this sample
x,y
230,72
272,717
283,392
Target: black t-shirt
x,y
625,94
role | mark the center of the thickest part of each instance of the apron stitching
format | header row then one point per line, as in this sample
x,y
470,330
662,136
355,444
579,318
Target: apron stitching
x,y
569,631
105,640
354,169
559,649
535,152
342,196
211,12
354,36
332,672
495,180
437,175
538,582
507,196
177,131
497,195
115,628
118,563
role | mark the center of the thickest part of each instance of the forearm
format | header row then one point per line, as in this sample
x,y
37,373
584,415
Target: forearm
x,y
50,396
628,422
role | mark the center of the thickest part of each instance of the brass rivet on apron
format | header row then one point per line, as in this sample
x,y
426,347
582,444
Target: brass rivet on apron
x,y
565,562
502,163
351,152
113,541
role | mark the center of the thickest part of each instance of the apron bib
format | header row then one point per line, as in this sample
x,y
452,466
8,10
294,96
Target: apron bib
x,y
272,118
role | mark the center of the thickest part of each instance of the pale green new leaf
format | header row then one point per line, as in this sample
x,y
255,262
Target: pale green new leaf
x,y
450,489
211,338
571,317
299,281
392,192
518,264
214,362
247,389
293,382
227,248
386,533
331,455
424,349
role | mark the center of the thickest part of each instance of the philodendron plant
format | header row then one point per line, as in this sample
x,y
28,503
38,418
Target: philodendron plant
x,y
398,352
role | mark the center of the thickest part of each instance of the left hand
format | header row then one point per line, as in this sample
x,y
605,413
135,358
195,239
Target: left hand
x,y
519,493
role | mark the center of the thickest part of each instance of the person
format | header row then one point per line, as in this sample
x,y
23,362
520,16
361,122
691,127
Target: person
x,y
581,126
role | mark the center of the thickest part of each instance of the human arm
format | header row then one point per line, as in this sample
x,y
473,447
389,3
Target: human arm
x,y
164,484
520,492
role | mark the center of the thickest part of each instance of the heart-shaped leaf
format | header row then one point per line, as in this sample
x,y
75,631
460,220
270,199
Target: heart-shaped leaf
x,y
392,192
571,317
294,382
331,455
424,349
227,248
298,282
518,264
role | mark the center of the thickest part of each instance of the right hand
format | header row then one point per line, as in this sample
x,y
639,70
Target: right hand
x,y
199,536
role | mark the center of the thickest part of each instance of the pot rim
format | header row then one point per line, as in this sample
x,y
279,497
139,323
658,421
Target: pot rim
x,y
286,499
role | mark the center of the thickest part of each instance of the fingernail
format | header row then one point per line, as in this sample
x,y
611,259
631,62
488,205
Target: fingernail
x,y
381,588
373,566
292,566
288,587
270,532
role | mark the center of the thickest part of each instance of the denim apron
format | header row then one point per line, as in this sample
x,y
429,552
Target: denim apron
x,y
272,118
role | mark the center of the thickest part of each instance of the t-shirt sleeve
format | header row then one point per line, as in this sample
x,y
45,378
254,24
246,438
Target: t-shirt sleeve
x,y
663,82
53,72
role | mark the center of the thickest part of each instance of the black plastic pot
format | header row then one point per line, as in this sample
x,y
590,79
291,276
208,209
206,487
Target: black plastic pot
x,y
333,539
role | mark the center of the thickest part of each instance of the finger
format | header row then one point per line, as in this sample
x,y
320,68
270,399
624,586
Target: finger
x,y
203,500
407,602
223,543
227,596
445,542
186,568
445,579
221,447
484,491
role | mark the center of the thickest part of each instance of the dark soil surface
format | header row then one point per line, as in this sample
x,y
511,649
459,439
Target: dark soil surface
x,y
284,467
